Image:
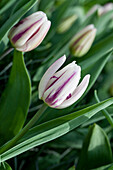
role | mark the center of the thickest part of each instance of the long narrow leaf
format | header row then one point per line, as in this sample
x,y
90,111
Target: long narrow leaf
x,y
15,100
54,129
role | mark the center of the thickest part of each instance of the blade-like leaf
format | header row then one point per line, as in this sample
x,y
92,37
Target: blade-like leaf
x,y
96,150
8,5
54,129
15,100
106,167
5,166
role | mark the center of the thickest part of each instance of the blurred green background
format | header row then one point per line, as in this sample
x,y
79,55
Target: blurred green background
x,y
64,152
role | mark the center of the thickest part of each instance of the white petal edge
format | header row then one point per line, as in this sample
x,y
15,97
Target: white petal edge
x,y
27,22
49,73
68,88
77,93
80,33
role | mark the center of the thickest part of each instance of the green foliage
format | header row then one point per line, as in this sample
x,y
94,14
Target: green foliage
x,y
58,135
5,166
17,15
15,100
53,129
96,150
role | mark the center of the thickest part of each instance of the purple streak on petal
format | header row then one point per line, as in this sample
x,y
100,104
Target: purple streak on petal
x,y
69,96
53,77
55,102
19,35
19,23
50,100
78,39
55,80
80,47
34,33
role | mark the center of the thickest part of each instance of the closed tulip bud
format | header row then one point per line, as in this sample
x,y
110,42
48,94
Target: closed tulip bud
x,y
60,89
82,41
66,23
104,9
29,32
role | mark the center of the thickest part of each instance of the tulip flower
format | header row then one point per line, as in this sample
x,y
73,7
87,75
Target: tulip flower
x,y
29,32
60,89
82,41
104,9
66,24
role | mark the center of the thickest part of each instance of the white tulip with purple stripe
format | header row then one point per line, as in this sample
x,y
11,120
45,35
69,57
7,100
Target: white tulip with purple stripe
x,y
29,32
104,9
60,89
82,41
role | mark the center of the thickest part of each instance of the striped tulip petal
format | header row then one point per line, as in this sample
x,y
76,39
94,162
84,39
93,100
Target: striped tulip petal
x,y
49,73
64,85
60,89
23,35
77,93
39,35
82,41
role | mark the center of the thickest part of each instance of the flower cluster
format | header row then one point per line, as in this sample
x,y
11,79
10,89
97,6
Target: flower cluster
x,y
59,89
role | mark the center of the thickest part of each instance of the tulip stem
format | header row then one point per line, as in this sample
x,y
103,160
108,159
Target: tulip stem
x,y
12,142
6,53
104,111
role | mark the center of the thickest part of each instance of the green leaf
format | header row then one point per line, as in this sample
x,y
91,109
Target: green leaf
x,y
54,129
97,66
8,5
17,15
15,100
19,5
96,150
58,15
106,167
98,51
5,166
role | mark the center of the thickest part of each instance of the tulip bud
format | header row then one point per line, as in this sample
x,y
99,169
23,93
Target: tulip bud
x,y
104,9
82,41
29,32
60,89
66,24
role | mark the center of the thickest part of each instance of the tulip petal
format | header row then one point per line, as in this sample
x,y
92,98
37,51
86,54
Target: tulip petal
x,y
77,93
65,85
23,36
26,23
49,73
81,34
85,44
36,38
61,72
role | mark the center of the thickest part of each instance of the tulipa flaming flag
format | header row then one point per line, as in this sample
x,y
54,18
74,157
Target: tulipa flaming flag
x,y
82,41
29,32
60,89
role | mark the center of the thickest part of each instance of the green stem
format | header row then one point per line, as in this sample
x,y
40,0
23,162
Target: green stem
x,y
104,111
12,142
